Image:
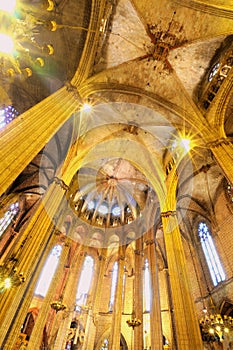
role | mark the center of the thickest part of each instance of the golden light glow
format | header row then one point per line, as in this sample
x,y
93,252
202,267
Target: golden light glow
x,y
7,44
211,331
186,144
7,5
86,107
218,328
226,330
7,283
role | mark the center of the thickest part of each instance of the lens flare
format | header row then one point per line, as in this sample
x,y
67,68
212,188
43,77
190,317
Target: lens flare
x,y
7,6
7,44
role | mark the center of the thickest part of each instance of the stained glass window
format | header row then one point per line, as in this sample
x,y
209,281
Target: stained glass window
x,y
6,220
211,255
85,281
214,71
7,115
147,287
48,271
230,192
113,286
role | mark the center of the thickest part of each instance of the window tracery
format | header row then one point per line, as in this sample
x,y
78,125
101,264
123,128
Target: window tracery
x,y
230,192
213,71
216,77
8,217
211,255
7,114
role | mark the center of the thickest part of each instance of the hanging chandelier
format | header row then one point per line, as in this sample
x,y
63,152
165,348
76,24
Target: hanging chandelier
x,y
21,51
133,321
58,305
214,326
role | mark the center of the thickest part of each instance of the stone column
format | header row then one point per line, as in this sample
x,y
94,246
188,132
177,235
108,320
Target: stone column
x,y
37,333
186,322
222,150
138,294
156,332
115,335
61,322
89,341
26,255
25,136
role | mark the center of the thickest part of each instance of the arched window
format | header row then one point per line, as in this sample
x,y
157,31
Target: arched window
x,y
85,281
147,289
9,215
214,71
113,286
211,255
48,271
7,115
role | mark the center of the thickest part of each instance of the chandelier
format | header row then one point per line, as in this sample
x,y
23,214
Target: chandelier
x,y
21,52
133,321
58,305
214,326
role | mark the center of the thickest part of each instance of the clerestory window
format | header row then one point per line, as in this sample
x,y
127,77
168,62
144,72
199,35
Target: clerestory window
x,y
211,255
147,287
8,217
113,285
85,282
7,114
48,271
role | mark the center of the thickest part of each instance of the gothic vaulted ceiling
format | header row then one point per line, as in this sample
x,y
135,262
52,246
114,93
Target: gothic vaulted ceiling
x,y
151,67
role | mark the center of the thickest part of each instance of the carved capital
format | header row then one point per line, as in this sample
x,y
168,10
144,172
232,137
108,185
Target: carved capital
x,y
168,213
150,241
219,142
61,183
73,89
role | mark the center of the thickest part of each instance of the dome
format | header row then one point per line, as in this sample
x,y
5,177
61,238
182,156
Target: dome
x,y
113,195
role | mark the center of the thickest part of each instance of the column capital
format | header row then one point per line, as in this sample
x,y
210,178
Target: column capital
x,y
150,241
61,183
121,257
102,257
137,252
73,89
219,142
168,213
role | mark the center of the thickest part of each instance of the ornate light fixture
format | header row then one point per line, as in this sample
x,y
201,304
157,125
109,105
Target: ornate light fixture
x,y
133,321
214,326
20,49
9,277
58,305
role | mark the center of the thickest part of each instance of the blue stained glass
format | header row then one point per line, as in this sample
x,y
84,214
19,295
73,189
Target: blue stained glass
x,y
211,255
6,220
7,115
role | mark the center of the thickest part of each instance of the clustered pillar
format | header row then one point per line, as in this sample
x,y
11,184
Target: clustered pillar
x,y
186,322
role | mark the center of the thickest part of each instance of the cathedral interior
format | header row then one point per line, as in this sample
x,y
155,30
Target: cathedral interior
x,y
116,176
